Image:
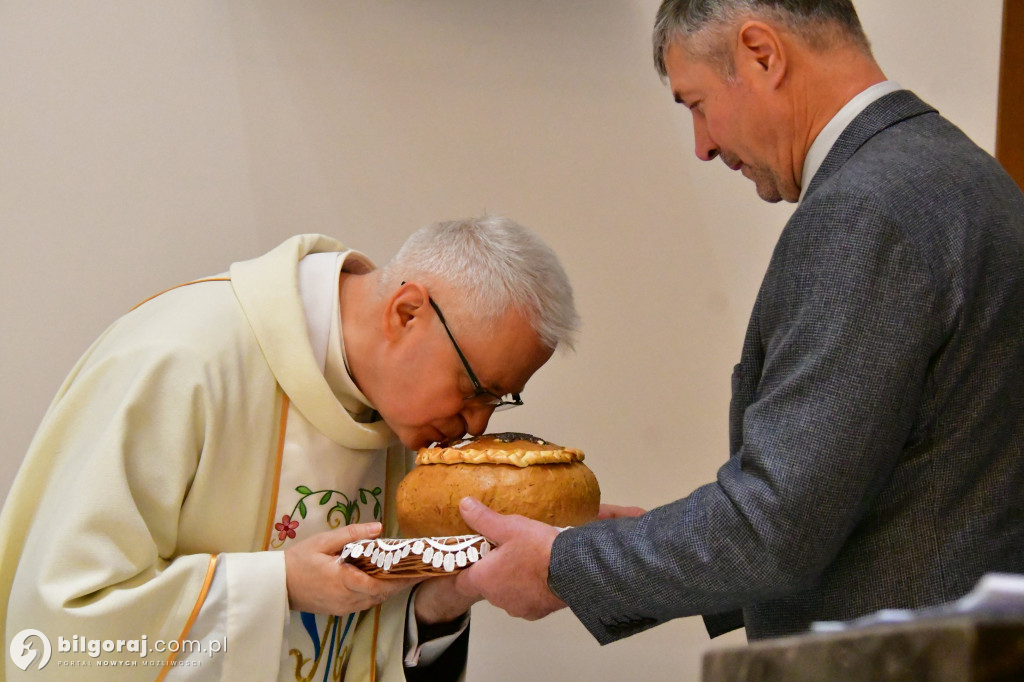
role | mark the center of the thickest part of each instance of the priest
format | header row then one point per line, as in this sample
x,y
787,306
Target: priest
x,y
208,457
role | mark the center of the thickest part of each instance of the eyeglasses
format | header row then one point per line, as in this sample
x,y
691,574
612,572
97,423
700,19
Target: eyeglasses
x,y
481,396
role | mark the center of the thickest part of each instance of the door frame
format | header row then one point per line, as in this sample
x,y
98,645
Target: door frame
x,y
1010,116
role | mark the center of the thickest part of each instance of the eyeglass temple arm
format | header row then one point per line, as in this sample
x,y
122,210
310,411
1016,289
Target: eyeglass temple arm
x,y
444,323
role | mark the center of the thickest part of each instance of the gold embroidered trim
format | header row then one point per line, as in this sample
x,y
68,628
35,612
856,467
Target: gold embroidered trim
x,y
207,581
272,507
178,286
373,644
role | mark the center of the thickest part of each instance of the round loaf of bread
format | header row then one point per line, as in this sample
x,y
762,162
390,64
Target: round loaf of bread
x,y
512,473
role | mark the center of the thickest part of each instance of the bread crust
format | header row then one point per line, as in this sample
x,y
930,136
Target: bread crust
x,y
558,494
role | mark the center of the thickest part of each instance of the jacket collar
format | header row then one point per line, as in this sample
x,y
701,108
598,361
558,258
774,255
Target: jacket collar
x,y
879,115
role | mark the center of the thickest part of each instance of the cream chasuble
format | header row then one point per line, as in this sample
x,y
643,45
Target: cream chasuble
x,y
172,454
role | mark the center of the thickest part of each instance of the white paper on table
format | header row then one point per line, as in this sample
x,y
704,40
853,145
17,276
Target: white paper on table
x,y
996,594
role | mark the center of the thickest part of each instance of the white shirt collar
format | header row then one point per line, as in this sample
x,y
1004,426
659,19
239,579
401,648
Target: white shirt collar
x,y
318,287
823,143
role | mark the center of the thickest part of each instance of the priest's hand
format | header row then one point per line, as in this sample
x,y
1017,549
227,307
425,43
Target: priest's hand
x,y
614,511
438,600
514,575
317,583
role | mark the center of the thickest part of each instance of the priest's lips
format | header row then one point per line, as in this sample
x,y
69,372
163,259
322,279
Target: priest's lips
x,y
441,437
435,436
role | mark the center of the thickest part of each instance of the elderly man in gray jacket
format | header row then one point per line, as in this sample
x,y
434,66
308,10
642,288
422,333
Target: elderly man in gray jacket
x,y
877,418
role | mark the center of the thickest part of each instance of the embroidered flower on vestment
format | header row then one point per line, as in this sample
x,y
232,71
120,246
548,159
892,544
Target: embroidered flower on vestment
x,y
286,527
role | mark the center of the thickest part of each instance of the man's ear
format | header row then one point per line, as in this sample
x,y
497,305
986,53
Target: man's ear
x,y
405,310
761,53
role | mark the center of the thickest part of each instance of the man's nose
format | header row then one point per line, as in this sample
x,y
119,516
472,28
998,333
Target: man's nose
x,y
704,147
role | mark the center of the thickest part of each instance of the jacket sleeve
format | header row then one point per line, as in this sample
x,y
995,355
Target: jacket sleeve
x,y
843,331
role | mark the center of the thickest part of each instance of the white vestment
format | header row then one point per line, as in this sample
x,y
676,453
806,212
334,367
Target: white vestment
x,y
181,439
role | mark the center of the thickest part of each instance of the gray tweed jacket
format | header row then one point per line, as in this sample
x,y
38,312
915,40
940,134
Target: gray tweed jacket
x,y
877,419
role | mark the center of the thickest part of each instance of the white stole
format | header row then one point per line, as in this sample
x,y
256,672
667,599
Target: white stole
x,y
324,485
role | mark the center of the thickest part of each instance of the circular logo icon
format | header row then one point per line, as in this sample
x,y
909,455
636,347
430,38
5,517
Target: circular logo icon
x,y
23,653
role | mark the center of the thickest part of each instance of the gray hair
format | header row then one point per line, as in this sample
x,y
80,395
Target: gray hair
x,y
492,264
702,24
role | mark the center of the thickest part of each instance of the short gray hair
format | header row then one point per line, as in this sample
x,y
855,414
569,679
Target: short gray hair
x,y
701,23
493,264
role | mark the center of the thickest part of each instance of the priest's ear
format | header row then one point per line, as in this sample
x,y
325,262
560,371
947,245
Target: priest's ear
x,y
406,310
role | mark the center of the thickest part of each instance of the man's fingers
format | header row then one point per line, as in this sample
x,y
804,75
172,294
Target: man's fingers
x,y
333,541
475,579
487,522
465,583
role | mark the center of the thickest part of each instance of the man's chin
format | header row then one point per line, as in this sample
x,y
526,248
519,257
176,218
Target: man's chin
x,y
767,188
772,196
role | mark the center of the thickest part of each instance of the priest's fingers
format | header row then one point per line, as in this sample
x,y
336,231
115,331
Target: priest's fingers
x,y
438,600
614,511
348,590
373,589
332,541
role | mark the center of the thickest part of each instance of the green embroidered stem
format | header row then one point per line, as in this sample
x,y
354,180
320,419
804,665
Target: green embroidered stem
x,y
347,507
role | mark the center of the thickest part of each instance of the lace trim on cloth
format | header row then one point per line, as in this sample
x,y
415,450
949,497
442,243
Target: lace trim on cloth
x,y
404,558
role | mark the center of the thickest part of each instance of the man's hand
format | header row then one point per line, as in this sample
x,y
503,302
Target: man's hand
x,y
317,583
514,576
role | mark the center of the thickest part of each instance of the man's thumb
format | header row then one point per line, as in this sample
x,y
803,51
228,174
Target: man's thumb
x,y
483,519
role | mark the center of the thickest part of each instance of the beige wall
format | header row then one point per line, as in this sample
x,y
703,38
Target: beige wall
x,y
144,143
